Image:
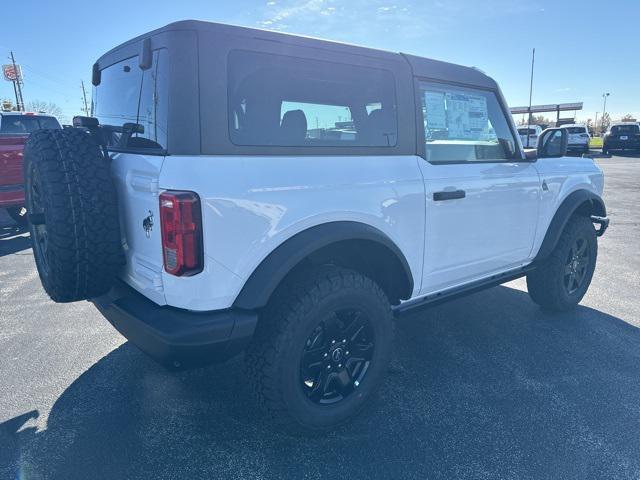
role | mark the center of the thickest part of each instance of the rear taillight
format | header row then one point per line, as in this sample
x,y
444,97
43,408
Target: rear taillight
x,y
181,225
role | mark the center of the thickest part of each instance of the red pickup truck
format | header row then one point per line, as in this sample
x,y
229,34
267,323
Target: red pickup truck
x,y
15,128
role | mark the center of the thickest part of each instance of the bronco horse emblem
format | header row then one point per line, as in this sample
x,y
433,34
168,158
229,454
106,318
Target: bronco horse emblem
x,y
147,224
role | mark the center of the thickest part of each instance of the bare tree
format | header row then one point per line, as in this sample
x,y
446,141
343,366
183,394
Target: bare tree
x,y
605,122
41,106
628,118
535,120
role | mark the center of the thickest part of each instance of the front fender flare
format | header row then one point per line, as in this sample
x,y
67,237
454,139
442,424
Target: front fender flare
x,y
580,199
274,268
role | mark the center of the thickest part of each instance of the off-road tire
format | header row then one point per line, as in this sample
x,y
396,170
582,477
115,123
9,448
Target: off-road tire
x,y
14,213
78,214
546,283
273,357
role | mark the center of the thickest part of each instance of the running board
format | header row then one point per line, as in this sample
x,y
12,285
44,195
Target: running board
x,y
457,292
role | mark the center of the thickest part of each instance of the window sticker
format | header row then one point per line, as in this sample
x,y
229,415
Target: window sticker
x,y
435,113
467,115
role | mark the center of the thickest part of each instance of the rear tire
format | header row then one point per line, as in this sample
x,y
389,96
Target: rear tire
x,y
71,204
14,213
320,349
560,282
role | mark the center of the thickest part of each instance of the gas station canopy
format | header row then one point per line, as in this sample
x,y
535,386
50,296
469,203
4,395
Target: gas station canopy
x,y
558,107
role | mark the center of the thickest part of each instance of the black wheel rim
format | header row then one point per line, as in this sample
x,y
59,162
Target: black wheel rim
x,y
35,207
577,265
337,356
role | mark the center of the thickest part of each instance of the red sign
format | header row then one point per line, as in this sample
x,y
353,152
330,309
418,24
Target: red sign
x,y
10,72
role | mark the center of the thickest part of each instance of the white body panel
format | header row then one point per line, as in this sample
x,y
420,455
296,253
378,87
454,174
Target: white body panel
x,y
491,229
564,176
251,205
136,180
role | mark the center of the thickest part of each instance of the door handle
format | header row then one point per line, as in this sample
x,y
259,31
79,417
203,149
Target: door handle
x,y
448,195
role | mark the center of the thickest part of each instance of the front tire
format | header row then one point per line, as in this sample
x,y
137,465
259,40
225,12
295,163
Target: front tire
x,y
560,282
320,349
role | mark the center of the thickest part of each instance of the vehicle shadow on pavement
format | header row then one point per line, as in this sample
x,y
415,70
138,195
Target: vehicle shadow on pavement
x,y
13,239
487,386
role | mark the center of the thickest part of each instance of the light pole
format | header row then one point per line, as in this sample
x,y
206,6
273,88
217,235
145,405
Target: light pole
x,y
595,126
604,108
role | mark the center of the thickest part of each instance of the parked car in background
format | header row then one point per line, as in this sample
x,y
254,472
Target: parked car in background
x,y
529,135
15,128
578,137
622,136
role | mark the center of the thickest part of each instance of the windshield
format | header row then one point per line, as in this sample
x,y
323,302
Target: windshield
x,y
25,124
576,130
526,131
625,129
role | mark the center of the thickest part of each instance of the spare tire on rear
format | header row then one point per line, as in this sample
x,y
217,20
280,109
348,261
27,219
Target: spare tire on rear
x,y
73,214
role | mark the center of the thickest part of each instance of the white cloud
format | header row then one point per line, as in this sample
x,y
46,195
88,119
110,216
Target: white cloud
x,y
360,21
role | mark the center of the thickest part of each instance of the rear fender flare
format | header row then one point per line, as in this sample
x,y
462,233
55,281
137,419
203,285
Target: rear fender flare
x,y
274,268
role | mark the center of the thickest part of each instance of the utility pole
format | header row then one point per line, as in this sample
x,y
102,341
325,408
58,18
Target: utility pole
x,y
84,97
604,108
533,60
595,126
17,87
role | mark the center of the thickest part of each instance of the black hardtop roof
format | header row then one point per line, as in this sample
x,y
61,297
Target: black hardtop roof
x,y
422,67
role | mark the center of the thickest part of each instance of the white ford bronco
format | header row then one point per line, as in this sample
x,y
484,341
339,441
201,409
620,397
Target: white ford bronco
x,y
244,190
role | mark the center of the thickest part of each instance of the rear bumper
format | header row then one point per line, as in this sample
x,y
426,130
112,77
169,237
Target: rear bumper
x,y
578,146
174,337
622,144
11,195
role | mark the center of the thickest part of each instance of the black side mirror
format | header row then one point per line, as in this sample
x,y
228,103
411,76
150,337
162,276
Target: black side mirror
x,y
146,55
96,75
553,142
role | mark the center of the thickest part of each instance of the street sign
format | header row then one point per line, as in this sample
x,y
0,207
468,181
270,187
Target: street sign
x,y
10,72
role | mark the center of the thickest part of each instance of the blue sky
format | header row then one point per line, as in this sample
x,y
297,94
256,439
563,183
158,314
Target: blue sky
x,y
583,48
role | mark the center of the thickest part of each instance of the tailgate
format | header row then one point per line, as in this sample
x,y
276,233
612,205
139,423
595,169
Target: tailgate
x,y
136,179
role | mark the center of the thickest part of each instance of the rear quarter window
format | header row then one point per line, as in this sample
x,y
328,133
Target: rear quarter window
x,y
275,100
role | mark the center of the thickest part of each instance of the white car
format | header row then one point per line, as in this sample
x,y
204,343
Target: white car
x,y
529,135
578,137
216,206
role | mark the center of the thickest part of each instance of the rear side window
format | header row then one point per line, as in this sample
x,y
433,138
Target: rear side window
x,y
464,125
25,124
132,104
276,100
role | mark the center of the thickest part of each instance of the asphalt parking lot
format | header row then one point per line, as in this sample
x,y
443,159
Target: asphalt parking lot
x,y
488,386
